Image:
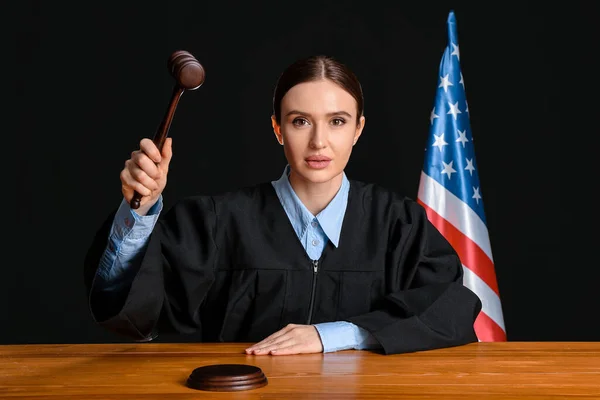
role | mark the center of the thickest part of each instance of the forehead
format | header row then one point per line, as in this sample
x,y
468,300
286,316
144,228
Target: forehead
x,y
318,97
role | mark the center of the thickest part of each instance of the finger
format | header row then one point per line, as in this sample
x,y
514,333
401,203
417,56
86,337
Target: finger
x,y
269,339
295,348
140,175
129,184
145,163
260,347
167,154
282,343
150,149
277,342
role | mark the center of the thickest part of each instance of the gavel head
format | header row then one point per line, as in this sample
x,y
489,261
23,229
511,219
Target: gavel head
x,y
186,70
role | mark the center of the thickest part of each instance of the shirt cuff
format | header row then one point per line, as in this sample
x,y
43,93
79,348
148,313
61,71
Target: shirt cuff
x,y
342,335
128,223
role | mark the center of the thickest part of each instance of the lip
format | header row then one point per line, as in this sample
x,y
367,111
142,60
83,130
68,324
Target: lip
x,y
318,162
318,158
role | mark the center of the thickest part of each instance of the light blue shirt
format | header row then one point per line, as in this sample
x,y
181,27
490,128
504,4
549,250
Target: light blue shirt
x,y
130,231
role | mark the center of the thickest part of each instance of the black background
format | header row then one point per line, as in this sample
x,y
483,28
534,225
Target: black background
x,y
86,81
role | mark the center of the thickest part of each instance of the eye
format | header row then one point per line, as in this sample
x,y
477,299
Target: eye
x,y
338,121
299,121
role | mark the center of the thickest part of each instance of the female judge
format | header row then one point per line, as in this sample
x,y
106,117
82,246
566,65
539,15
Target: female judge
x,y
310,262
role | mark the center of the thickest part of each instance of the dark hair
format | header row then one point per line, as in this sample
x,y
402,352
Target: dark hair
x,y
315,68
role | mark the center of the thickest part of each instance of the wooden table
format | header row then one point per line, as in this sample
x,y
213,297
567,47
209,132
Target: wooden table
x,y
528,370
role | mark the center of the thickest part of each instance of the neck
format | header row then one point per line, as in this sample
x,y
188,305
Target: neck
x,y
315,196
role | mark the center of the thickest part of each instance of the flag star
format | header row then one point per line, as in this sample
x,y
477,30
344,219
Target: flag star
x,y
462,137
476,194
455,51
439,141
462,81
448,169
470,166
433,116
445,83
454,109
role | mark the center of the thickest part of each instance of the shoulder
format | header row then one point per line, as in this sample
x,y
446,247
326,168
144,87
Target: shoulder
x,y
228,201
386,203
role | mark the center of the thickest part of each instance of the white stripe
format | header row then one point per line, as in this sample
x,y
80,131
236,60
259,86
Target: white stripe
x,y
489,299
455,211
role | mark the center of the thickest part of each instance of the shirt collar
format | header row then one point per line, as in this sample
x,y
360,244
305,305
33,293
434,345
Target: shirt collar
x,y
330,218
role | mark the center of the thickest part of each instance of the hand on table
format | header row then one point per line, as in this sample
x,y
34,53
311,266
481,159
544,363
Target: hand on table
x,y
293,339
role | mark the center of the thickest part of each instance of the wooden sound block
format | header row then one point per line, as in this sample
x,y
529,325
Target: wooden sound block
x,y
226,378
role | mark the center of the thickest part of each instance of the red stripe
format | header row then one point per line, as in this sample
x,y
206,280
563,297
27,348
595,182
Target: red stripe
x,y
469,252
487,330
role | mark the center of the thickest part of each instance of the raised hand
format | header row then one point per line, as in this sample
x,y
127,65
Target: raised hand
x,y
146,172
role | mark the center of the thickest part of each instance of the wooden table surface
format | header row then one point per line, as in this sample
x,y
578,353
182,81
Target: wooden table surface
x,y
516,370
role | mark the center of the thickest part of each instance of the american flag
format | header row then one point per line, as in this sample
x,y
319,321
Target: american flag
x,y
450,192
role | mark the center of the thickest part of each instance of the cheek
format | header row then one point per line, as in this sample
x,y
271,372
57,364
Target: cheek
x,y
295,142
343,143
294,146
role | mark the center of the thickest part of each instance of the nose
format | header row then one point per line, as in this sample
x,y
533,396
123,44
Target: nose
x,y
318,139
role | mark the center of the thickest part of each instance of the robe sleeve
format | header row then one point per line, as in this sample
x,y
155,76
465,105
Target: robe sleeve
x,y
173,278
427,305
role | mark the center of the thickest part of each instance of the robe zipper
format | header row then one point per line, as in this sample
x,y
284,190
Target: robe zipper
x,y
315,264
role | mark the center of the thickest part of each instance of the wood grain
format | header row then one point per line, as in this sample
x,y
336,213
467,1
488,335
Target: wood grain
x,y
516,370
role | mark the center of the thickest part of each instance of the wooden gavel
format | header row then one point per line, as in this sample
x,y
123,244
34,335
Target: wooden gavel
x,y
189,75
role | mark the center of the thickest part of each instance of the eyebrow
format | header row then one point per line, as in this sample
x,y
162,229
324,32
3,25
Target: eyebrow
x,y
328,114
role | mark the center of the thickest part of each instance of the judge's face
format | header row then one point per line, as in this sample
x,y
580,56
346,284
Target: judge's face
x,y
318,129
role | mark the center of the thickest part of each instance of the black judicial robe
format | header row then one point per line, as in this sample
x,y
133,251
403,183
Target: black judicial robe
x,y
230,268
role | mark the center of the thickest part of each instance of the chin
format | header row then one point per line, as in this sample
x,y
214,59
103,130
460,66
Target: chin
x,y
318,175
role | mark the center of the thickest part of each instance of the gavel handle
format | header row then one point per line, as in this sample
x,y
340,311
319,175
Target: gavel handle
x,y
161,135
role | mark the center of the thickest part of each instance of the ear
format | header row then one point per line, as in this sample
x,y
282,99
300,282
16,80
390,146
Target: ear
x,y
359,129
277,130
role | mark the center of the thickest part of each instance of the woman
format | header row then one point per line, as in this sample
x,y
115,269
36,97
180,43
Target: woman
x,y
311,262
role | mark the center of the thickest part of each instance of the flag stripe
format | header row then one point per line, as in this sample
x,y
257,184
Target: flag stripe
x,y
450,192
469,253
487,330
490,301
453,210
